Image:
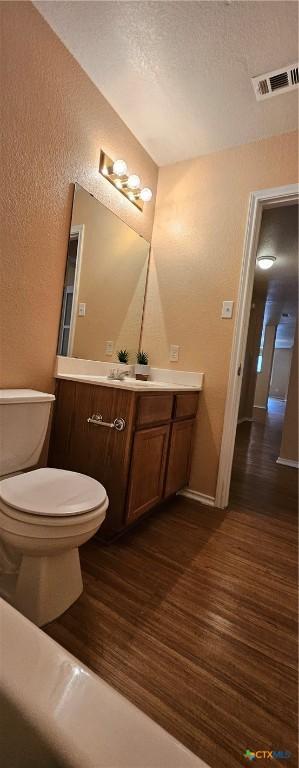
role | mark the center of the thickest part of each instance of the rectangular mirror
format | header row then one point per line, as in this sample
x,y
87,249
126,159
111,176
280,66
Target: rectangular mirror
x,y
104,285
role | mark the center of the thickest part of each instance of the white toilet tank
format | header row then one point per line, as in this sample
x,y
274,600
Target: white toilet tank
x,y
24,418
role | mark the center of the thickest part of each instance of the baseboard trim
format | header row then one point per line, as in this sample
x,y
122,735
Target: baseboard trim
x,y
288,462
245,418
261,407
202,498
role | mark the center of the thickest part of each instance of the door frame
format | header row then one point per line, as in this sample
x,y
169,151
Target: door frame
x,y
259,200
62,316
76,229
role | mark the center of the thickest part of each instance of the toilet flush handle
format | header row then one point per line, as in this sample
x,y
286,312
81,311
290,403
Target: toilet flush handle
x,y
97,419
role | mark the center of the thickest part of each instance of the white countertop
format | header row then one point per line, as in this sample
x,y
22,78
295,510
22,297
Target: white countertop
x,y
130,384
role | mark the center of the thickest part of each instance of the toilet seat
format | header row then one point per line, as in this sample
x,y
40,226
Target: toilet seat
x,y
45,516
52,493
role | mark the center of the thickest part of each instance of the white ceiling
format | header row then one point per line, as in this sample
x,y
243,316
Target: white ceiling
x,y
279,238
178,73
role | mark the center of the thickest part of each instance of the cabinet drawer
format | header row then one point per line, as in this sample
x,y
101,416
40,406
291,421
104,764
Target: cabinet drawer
x,y
147,470
154,408
186,405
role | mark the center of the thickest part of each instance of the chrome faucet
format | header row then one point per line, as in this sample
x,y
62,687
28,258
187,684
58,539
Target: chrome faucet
x,y
116,374
122,374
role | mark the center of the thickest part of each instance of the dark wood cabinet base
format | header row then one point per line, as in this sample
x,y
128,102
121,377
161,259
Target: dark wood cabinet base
x,y
140,466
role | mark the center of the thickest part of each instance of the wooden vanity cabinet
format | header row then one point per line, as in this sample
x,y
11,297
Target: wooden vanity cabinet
x,y
140,466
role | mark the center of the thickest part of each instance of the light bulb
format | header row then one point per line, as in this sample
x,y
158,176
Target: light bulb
x,y
146,194
265,262
133,181
120,168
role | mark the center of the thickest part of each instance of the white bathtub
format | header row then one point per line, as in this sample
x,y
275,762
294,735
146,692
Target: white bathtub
x,y
55,713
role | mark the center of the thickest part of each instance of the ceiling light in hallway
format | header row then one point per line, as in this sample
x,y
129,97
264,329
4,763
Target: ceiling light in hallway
x,y
265,262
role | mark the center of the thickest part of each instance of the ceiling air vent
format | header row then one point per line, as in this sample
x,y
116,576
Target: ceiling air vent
x,y
279,81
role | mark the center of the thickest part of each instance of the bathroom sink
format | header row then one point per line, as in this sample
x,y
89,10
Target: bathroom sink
x,y
147,384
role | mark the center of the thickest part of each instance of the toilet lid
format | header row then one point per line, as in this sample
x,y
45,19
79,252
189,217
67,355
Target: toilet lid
x,y
52,492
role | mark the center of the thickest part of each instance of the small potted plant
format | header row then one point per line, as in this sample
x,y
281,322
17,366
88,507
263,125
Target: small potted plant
x,y
123,356
142,367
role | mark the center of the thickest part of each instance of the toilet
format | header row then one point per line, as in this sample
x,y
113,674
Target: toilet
x,y
45,514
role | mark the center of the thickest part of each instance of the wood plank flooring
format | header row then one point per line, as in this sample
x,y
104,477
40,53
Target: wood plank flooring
x,y
257,481
192,616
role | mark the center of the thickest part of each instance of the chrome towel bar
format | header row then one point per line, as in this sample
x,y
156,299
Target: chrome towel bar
x,y
97,420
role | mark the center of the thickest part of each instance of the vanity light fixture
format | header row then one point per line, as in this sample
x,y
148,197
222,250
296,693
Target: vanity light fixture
x,y
265,262
120,168
128,184
146,194
134,181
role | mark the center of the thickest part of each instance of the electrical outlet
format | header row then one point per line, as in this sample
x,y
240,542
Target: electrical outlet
x,y
109,348
174,353
227,309
82,310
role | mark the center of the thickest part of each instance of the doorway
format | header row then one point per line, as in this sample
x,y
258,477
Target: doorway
x,y
245,363
70,291
264,437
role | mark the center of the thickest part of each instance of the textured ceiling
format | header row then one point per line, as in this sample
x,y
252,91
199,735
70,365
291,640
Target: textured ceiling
x,y
279,238
178,73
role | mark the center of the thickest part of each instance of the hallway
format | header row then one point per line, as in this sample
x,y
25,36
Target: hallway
x,y
257,481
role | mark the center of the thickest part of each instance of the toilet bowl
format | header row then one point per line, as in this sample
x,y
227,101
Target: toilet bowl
x,y
45,515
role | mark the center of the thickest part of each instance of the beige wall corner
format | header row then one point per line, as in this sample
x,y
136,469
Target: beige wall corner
x,y
289,442
198,238
55,122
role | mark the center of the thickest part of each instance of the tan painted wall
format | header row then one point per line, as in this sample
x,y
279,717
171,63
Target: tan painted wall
x,y
112,281
55,122
200,220
280,373
289,442
263,378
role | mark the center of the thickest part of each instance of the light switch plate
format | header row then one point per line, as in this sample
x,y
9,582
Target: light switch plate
x,y
109,348
227,309
82,309
174,353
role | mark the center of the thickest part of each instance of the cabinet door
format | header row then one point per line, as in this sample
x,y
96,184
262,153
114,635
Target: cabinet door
x,y
178,469
97,451
147,470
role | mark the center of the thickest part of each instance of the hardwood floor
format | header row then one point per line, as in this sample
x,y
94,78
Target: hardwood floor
x,y
257,481
192,615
